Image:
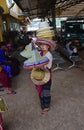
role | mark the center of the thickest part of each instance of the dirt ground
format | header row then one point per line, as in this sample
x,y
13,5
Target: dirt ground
x,y
67,104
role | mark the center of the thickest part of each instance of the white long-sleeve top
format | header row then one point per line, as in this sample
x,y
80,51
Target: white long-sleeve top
x,y
49,56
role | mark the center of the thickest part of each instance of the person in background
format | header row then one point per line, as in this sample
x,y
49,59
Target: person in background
x,y
71,48
10,64
3,59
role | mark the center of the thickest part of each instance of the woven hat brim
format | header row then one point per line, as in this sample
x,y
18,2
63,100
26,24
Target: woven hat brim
x,y
48,42
45,34
44,80
33,64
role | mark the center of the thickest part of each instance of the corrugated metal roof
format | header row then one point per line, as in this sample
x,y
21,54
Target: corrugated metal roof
x,y
42,8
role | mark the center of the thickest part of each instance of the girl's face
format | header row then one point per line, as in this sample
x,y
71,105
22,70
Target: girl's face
x,y
44,47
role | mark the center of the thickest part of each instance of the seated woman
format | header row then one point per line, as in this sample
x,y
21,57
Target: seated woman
x,y
10,64
5,81
71,48
3,60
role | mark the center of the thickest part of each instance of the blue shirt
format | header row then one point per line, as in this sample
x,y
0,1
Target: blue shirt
x,y
68,49
2,55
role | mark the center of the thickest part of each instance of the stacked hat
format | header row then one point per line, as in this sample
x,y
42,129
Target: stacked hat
x,y
27,51
36,60
45,31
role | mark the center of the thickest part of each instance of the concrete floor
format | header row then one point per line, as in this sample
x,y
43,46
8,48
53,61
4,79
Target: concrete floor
x,y
67,104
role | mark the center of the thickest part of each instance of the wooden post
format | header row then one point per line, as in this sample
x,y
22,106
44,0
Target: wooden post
x,y
8,22
54,19
1,29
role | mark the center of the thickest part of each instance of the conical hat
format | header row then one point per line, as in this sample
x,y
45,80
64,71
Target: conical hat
x,y
3,106
27,51
40,77
36,60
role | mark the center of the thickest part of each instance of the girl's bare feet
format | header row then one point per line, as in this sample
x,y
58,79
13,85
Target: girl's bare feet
x,y
45,110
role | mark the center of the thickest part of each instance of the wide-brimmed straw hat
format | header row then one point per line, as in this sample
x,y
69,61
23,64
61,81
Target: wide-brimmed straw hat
x,y
48,42
36,60
45,31
40,76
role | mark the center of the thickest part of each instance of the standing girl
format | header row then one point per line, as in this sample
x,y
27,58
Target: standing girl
x,y
44,90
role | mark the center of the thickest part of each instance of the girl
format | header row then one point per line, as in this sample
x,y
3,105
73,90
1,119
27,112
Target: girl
x,y
44,90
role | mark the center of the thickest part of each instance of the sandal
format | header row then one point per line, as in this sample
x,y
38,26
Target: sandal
x,y
11,92
45,110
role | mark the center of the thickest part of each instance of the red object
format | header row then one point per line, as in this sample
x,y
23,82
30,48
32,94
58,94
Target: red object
x,y
1,122
4,79
76,41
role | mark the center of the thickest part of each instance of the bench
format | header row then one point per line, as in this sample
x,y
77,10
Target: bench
x,y
57,59
73,59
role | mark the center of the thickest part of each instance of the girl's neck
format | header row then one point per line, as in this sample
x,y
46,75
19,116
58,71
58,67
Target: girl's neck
x,y
44,52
